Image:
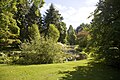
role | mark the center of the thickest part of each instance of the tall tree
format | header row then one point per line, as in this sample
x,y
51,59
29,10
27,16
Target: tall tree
x,y
9,31
53,33
20,16
63,33
34,33
82,33
52,17
28,14
71,38
105,31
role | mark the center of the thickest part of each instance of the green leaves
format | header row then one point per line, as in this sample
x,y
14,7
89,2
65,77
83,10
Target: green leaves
x,y
8,24
54,17
42,51
38,3
71,38
34,32
9,30
53,33
63,32
105,30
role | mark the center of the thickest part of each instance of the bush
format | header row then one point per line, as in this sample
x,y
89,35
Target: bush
x,y
40,52
5,58
53,32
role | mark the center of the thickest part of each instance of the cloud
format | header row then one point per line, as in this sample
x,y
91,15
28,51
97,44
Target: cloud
x,y
44,8
91,2
73,16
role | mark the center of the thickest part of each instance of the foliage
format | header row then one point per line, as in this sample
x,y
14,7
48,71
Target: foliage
x,y
53,33
22,10
63,33
15,18
8,26
105,32
27,15
39,52
52,16
71,38
82,26
83,35
34,32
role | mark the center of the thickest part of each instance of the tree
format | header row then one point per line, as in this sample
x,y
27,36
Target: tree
x,y
28,14
81,27
105,32
63,33
34,33
22,10
9,31
53,33
52,17
15,18
71,38
83,36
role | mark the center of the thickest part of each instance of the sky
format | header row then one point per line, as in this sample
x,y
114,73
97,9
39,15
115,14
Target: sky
x,y
74,12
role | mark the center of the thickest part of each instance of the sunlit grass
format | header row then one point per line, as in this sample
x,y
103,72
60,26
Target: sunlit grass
x,y
79,70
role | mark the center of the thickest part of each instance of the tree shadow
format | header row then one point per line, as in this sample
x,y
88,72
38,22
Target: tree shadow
x,y
91,72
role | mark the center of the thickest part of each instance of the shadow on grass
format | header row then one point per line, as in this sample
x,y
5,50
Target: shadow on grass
x,y
92,72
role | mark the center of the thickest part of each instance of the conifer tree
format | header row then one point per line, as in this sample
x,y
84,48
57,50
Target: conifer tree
x,y
53,16
53,33
9,31
28,14
63,33
71,38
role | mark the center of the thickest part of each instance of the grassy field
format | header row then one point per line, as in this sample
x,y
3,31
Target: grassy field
x,y
79,70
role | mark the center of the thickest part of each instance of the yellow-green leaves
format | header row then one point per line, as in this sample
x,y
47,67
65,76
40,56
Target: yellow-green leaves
x,y
53,32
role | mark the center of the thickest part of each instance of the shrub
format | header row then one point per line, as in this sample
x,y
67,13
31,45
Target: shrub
x,y
40,52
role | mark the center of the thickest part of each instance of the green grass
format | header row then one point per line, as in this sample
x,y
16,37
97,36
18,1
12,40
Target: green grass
x,y
79,70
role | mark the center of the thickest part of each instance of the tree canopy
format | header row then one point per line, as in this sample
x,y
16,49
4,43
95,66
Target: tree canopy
x,y
105,31
71,36
52,16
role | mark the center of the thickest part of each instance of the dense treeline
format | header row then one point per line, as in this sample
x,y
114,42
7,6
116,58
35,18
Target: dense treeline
x,y
18,19
100,39
105,32
21,20
22,28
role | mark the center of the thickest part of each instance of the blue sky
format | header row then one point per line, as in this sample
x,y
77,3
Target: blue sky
x,y
74,12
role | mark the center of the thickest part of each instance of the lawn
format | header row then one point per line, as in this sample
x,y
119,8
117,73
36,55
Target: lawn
x,y
79,70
